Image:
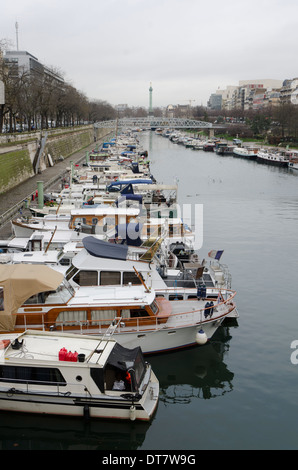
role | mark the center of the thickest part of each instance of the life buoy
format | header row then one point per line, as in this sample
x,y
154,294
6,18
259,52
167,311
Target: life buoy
x,y
4,343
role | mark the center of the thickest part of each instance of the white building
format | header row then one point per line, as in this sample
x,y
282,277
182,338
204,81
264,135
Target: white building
x,y
244,95
23,61
289,91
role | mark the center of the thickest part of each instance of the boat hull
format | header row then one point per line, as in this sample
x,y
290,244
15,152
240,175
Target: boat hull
x,y
16,399
242,153
167,339
267,161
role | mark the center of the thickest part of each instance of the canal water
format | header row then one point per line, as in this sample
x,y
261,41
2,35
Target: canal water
x,y
240,390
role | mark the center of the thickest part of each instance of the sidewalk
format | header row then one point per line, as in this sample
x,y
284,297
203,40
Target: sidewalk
x,y
25,189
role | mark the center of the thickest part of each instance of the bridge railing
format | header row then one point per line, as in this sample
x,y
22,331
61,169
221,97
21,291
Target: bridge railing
x,y
156,122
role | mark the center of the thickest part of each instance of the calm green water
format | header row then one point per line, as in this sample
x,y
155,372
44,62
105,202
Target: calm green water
x,y
239,392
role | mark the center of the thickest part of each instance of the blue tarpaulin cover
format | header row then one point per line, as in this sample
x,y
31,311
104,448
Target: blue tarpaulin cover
x,y
126,182
102,249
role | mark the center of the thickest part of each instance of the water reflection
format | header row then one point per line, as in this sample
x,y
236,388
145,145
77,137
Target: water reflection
x,y
37,432
198,372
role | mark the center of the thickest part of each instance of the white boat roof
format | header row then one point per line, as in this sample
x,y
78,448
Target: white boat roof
x,y
44,347
111,296
49,257
106,209
84,260
16,242
46,236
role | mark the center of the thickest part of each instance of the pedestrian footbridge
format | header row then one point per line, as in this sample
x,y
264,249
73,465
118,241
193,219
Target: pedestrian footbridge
x,y
151,122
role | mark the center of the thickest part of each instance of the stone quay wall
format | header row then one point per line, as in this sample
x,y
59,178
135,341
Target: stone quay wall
x,y
21,156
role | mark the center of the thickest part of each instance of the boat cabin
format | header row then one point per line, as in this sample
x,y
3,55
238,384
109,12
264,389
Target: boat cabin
x,y
105,217
47,301
75,375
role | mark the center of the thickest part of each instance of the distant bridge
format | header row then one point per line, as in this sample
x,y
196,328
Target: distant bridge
x,y
151,122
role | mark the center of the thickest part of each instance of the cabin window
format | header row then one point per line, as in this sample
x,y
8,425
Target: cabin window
x,y
175,297
94,220
70,272
154,307
34,375
65,261
36,299
138,312
125,313
109,222
1,298
71,318
131,277
110,278
86,278
103,317
79,220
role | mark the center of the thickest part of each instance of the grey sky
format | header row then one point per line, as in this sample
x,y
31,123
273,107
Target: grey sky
x,y
113,49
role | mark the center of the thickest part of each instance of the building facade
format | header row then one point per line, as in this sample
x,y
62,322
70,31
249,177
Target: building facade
x,y
23,61
250,94
289,91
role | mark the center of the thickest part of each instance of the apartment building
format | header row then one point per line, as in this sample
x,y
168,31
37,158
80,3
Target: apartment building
x,y
250,94
289,91
23,61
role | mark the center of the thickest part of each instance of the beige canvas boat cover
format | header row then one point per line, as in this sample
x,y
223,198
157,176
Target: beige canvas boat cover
x,y
19,282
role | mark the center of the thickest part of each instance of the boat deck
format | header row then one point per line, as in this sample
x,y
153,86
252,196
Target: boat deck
x,y
44,347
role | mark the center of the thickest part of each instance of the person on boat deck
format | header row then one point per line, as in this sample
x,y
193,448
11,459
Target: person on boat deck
x,y
119,383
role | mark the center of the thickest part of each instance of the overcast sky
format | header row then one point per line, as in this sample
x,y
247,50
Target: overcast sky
x,y
112,49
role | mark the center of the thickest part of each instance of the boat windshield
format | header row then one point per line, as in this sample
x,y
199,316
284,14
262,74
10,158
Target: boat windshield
x,y
72,270
61,295
139,368
64,292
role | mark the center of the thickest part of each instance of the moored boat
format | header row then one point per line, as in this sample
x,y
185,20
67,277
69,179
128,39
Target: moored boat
x,y
273,156
249,152
133,314
75,375
293,159
209,146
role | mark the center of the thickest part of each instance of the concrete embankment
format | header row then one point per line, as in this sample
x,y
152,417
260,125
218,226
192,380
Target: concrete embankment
x,y
12,200
25,155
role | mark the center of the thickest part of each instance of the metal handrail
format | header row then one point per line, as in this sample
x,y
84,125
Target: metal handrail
x,y
104,324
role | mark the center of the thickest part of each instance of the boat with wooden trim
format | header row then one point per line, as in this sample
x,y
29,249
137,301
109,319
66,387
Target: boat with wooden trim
x,y
146,318
74,375
101,218
92,261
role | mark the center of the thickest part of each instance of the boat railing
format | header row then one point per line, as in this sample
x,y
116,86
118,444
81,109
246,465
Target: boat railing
x,y
56,388
222,300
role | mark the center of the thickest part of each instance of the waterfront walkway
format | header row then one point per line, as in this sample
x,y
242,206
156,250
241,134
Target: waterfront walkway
x,y
17,195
